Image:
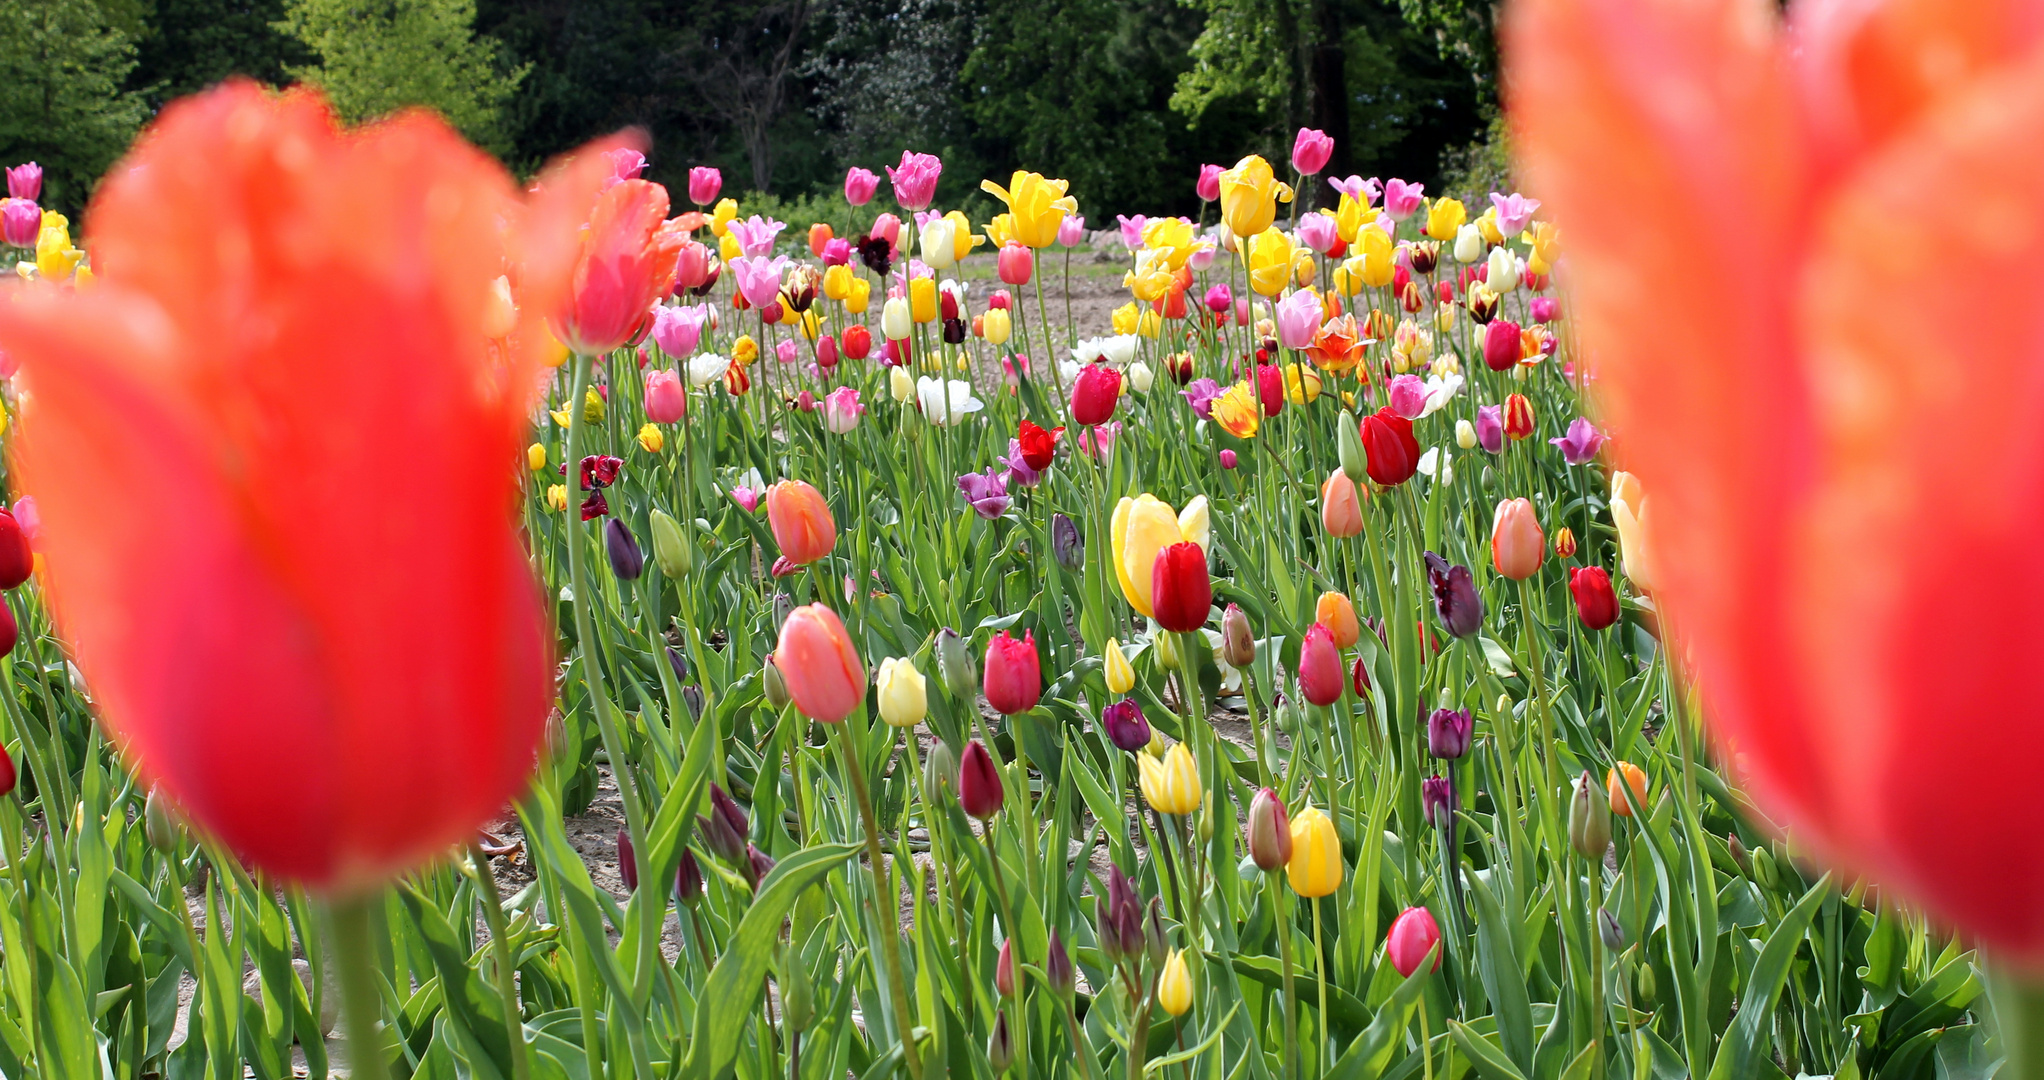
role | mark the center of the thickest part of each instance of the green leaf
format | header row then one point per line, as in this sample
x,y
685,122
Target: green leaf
x,y
1491,1062
1367,1056
1747,1041
472,1005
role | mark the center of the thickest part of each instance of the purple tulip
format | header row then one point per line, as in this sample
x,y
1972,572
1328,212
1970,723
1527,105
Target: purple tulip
x,y
1455,599
987,492
1201,394
1437,799
1490,427
1126,726
1019,471
1580,445
1448,733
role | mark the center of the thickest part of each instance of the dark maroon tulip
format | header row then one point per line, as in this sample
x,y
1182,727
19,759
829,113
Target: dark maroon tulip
x,y
688,878
1596,602
1455,599
1448,733
979,782
1359,677
1270,831
1127,728
1180,591
1057,967
1319,666
758,864
725,830
627,861
626,560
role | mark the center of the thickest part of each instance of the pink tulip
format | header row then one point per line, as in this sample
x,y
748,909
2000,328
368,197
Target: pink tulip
x,y
837,251
1015,263
1402,200
692,269
826,352
1413,934
746,498
759,278
915,179
704,182
666,398
1408,396
1209,184
1355,187
677,329
860,185
1311,150
1071,230
1218,298
841,410
21,221
756,234
1545,309
1131,229
1319,232
1515,212
626,163
25,182
1298,318
888,227
787,352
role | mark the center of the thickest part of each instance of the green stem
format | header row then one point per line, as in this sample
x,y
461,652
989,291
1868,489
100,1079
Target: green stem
x,y
478,870
883,920
361,1002
2019,1012
1284,932
1320,968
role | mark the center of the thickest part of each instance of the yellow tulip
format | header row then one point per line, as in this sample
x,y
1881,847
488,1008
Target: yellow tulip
x,y
1270,262
1174,983
535,456
904,701
962,239
1302,383
996,325
1172,785
1124,318
1315,869
837,282
1001,231
1172,239
1546,247
557,497
1445,218
720,217
1487,225
1377,269
1250,193
55,258
1038,205
1629,513
1151,278
1195,522
1237,411
859,296
922,299
1121,677
745,350
650,438
1304,267
1352,216
1149,324
1142,527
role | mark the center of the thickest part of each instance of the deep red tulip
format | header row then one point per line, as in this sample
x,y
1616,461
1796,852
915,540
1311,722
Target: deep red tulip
x,y
1039,446
16,560
1319,666
1413,934
1094,394
1013,675
1270,388
8,777
1393,451
979,782
337,688
1359,677
1596,603
820,665
1180,590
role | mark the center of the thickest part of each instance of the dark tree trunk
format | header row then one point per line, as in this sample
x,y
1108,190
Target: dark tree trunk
x,y
1327,83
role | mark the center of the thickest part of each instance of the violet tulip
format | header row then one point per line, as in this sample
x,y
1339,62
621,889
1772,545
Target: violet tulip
x,y
987,492
1580,445
1490,427
1448,732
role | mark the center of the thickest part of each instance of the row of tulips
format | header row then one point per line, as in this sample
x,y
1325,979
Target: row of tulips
x,y
1273,688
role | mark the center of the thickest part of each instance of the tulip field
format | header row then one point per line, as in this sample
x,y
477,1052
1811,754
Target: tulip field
x,y
466,629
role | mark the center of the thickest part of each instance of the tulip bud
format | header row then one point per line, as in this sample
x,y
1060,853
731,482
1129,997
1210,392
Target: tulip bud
x,y
940,772
1153,932
1174,985
1448,733
1238,645
688,879
725,829
1058,970
798,994
1013,676
1765,873
1004,969
1739,854
1646,984
903,700
1126,726
1636,778
1066,545
626,560
1319,666
1000,1045
1465,434
758,864
1107,931
773,687
1609,929
961,678
627,861
1437,800
670,545
1270,831
1596,601
979,782
1359,677
159,825
1589,819
1121,677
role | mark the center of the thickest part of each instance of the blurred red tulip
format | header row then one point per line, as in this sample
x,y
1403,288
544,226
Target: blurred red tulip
x,y
1180,591
627,261
16,560
819,664
1812,579
336,683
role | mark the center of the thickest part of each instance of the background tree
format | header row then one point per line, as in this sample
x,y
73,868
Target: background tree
x,y
63,99
187,45
376,56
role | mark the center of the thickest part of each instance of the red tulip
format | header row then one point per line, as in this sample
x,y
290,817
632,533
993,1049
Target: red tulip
x,y
1319,666
801,521
1518,417
1413,934
819,664
1849,595
858,341
1181,593
337,687
1039,446
1012,675
979,782
627,260
16,560
1094,394
8,777
1393,451
1270,388
1596,603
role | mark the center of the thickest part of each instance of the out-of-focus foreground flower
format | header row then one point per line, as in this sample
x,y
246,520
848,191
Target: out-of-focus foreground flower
x,y
1854,600
335,672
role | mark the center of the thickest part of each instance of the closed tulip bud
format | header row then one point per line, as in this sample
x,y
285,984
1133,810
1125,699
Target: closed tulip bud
x,y
1174,985
725,829
979,782
1596,601
1437,800
1238,644
1359,678
1413,935
772,687
1338,614
1341,509
688,879
1739,854
798,994
903,700
1635,778
1094,394
627,861
1315,868
1066,545
1004,969
1319,666
1589,819
1171,786
1564,542
159,825
1646,984
1057,968
1448,732
626,560
1269,831
1609,929
1154,938
1455,600
1121,676
1013,676
1765,873
1000,1045
758,864
940,772
1465,434
1181,592
1517,547
535,457
961,679
670,545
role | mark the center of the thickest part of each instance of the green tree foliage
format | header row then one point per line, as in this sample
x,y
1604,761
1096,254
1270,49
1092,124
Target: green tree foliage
x,y
63,102
189,45
377,56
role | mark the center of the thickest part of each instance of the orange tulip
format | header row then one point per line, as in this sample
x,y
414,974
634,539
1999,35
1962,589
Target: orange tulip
x,y
1337,346
1635,778
1517,546
825,677
1335,611
1341,508
801,521
627,262
1811,581
337,684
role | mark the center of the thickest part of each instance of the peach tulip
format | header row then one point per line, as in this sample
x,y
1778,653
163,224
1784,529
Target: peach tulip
x,y
1517,546
801,521
1341,509
817,660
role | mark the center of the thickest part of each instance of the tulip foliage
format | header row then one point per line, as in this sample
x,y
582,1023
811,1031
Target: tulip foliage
x,y
1273,687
